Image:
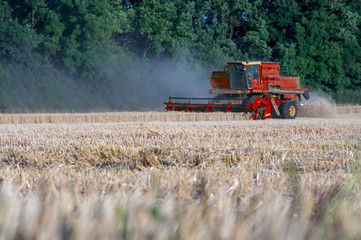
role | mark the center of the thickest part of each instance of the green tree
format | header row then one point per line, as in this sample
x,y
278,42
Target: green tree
x,y
69,29
87,23
318,39
17,41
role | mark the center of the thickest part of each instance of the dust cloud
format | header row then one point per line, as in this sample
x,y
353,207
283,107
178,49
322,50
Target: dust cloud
x,y
319,105
120,82
153,84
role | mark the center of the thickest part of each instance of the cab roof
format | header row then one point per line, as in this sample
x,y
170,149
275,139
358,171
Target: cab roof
x,y
249,63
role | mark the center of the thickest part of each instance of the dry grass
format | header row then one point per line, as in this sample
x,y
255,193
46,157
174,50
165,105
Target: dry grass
x,y
273,179
349,109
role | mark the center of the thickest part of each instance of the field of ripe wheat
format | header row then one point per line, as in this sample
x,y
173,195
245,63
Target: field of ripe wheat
x,y
206,176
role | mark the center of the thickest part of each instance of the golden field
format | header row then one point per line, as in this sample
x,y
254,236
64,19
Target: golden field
x,y
180,176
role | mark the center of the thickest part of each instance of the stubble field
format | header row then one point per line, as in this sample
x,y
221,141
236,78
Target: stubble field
x,y
180,176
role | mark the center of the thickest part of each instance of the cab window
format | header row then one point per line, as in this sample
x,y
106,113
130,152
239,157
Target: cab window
x,y
255,72
249,76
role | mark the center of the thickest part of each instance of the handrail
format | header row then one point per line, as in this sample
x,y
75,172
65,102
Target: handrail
x,y
209,99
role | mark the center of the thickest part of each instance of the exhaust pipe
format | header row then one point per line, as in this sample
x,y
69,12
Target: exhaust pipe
x,y
306,95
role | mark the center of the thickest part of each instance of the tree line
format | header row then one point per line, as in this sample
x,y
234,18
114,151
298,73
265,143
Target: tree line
x,y
83,54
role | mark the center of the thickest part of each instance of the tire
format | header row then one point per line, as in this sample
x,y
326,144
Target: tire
x,y
289,110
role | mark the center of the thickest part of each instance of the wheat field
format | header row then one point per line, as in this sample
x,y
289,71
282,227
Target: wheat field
x,y
180,176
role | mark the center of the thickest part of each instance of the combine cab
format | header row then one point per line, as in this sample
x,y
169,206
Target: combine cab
x,y
261,88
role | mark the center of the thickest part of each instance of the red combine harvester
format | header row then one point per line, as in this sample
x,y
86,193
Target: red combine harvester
x,y
261,88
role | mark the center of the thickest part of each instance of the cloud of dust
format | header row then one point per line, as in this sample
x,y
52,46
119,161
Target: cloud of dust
x,y
145,85
166,78
122,82
318,105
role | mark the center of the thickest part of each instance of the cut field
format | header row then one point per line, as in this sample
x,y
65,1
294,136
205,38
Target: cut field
x,y
186,176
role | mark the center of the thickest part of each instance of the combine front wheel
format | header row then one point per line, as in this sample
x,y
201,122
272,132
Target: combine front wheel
x,y
289,110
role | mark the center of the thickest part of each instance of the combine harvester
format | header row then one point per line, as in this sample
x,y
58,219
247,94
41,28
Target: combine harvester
x,y
261,88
